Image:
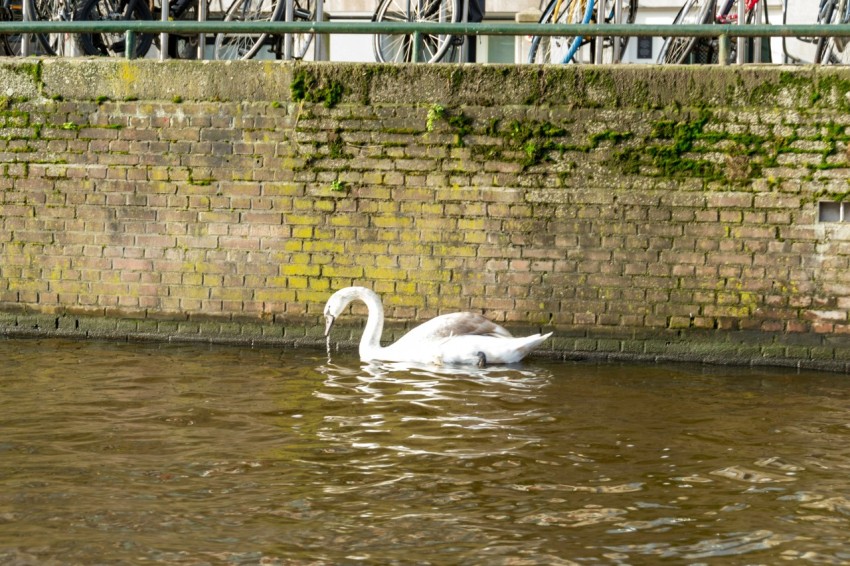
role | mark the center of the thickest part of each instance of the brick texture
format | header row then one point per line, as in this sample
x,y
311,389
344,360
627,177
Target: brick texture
x,y
672,214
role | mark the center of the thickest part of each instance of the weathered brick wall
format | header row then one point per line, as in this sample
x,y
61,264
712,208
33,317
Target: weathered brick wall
x,y
639,212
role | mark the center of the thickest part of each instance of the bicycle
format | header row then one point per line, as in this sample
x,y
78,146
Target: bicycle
x,y
10,43
833,50
109,43
51,10
432,47
568,49
676,50
226,45
245,46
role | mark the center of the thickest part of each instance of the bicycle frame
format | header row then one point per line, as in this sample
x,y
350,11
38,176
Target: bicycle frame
x,y
725,17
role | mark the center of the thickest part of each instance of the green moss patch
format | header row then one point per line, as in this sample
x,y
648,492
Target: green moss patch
x,y
306,87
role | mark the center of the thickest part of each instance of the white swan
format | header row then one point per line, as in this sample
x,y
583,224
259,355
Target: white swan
x,y
458,338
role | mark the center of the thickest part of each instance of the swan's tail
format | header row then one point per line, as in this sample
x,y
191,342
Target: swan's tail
x,y
533,342
521,348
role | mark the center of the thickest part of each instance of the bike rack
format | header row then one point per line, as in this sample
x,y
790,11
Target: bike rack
x,y
464,48
721,31
618,19
26,50
320,51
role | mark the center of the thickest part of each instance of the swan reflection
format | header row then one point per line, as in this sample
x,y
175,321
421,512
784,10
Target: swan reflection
x,y
374,380
412,409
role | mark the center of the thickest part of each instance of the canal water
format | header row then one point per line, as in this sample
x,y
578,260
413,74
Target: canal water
x,y
194,454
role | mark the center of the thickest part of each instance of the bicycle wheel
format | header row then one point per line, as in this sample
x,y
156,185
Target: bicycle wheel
x,y
561,49
52,10
399,48
10,43
112,44
582,12
539,44
243,45
676,49
835,50
540,51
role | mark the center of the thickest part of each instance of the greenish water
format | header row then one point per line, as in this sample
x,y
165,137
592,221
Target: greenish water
x,y
189,454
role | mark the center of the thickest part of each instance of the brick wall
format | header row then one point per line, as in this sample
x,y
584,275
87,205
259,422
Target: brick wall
x,y
640,213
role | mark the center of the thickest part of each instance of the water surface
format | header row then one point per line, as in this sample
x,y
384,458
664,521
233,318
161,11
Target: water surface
x,y
192,454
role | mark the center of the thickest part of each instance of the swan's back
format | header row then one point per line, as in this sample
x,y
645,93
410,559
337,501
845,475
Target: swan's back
x,y
456,324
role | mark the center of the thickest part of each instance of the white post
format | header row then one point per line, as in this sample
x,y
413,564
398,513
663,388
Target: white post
x,y
26,50
202,38
600,41
70,45
618,19
464,47
289,16
163,37
759,18
522,44
742,41
321,47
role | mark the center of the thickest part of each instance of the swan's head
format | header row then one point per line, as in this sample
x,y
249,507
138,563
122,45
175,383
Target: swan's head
x,y
337,303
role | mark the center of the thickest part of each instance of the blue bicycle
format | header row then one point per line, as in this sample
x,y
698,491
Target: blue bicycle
x,y
545,49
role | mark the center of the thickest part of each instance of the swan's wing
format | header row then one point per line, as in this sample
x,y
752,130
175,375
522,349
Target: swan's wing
x,y
456,324
471,349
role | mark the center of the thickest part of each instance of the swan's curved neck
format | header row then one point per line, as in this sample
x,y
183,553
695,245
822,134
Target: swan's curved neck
x,y
370,342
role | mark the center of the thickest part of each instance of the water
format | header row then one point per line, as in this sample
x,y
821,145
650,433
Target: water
x,y
132,453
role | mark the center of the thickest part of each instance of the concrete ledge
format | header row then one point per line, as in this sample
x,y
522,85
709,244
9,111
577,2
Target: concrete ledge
x,y
90,79
720,348
602,87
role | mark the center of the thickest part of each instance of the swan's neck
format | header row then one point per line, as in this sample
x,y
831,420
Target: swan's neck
x,y
370,342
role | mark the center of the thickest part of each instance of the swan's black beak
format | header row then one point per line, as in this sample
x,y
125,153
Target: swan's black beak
x,y
329,322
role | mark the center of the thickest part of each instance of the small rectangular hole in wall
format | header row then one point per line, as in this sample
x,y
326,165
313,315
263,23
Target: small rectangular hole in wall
x,y
832,211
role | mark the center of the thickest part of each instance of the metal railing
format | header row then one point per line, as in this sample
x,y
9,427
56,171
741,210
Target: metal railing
x,y
722,32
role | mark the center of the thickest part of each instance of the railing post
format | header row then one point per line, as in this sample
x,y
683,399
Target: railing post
x,y
723,55
599,40
202,37
759,16
25,37
417,40
129,44
163,37
742,41
321,42
289,15
616,56
464,47
522,45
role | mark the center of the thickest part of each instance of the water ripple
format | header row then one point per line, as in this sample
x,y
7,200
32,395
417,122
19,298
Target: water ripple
x,y
193,454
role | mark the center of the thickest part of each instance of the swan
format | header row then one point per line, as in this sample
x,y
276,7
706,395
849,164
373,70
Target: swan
x,y
458,338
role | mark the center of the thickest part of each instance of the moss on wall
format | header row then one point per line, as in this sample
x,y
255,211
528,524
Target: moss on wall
x,y
628,208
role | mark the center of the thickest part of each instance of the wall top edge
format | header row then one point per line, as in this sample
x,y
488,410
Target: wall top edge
x,y
381,84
